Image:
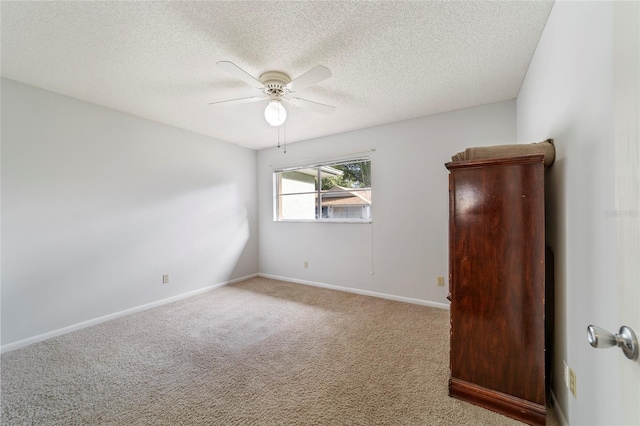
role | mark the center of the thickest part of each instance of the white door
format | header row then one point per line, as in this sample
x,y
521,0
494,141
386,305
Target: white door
x,y
626,26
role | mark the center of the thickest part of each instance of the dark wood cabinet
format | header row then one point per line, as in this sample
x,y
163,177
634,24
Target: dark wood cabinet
x,y
497,285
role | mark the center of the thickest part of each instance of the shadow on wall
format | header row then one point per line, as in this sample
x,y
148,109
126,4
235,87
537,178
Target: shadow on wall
x,y
213,226
83,263
556,211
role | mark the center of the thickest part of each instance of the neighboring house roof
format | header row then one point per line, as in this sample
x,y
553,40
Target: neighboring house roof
x,y
338,196
349,201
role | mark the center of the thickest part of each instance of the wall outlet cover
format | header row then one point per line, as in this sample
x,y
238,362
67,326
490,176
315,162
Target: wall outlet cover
x,y
572,383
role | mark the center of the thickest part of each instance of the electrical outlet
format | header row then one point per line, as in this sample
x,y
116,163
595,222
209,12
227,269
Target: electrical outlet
x,y
441,281
572,383
565,373
165,279
306,264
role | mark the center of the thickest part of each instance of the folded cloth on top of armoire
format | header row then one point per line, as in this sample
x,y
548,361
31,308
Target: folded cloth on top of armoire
x,y
546,147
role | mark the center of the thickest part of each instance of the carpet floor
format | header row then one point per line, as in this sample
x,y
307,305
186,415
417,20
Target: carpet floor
x,y
259,352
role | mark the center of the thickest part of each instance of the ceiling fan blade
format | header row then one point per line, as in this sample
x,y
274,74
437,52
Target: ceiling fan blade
x,y
314,106
238,72
241,100
311,77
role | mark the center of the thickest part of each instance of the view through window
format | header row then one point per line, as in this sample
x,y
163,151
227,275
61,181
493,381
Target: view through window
x,y
330,192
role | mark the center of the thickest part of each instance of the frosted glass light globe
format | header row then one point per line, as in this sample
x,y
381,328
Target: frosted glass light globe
x,y
274,113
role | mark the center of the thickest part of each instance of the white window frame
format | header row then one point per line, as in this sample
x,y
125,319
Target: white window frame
x,y
318,192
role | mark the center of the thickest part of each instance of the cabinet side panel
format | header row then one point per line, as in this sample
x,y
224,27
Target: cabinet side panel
x,y
497,268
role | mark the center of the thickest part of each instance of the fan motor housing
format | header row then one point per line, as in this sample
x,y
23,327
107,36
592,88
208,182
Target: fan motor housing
x,y
275,82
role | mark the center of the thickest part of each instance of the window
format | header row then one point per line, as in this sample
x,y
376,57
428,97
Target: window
x,y
326,192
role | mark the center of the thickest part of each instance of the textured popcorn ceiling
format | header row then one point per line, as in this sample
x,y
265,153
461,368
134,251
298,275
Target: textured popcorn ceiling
x,y
390,61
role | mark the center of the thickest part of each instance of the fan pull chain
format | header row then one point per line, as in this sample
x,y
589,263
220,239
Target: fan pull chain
x,y
284,137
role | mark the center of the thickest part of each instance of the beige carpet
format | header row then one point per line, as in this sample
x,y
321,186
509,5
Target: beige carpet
x,y
260,352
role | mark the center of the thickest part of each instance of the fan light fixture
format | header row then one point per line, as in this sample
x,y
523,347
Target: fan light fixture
x,y
274,113
278,86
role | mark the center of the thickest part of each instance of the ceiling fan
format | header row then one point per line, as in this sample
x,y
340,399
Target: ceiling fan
x,y
277,87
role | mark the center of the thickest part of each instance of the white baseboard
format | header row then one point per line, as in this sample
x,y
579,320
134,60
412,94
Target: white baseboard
x,y
558,410
39,338
358,291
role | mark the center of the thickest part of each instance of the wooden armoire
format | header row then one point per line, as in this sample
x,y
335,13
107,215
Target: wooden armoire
x,y
497,285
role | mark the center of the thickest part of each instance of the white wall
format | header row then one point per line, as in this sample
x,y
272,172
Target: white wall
x,y
97,205
409,248
568,95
